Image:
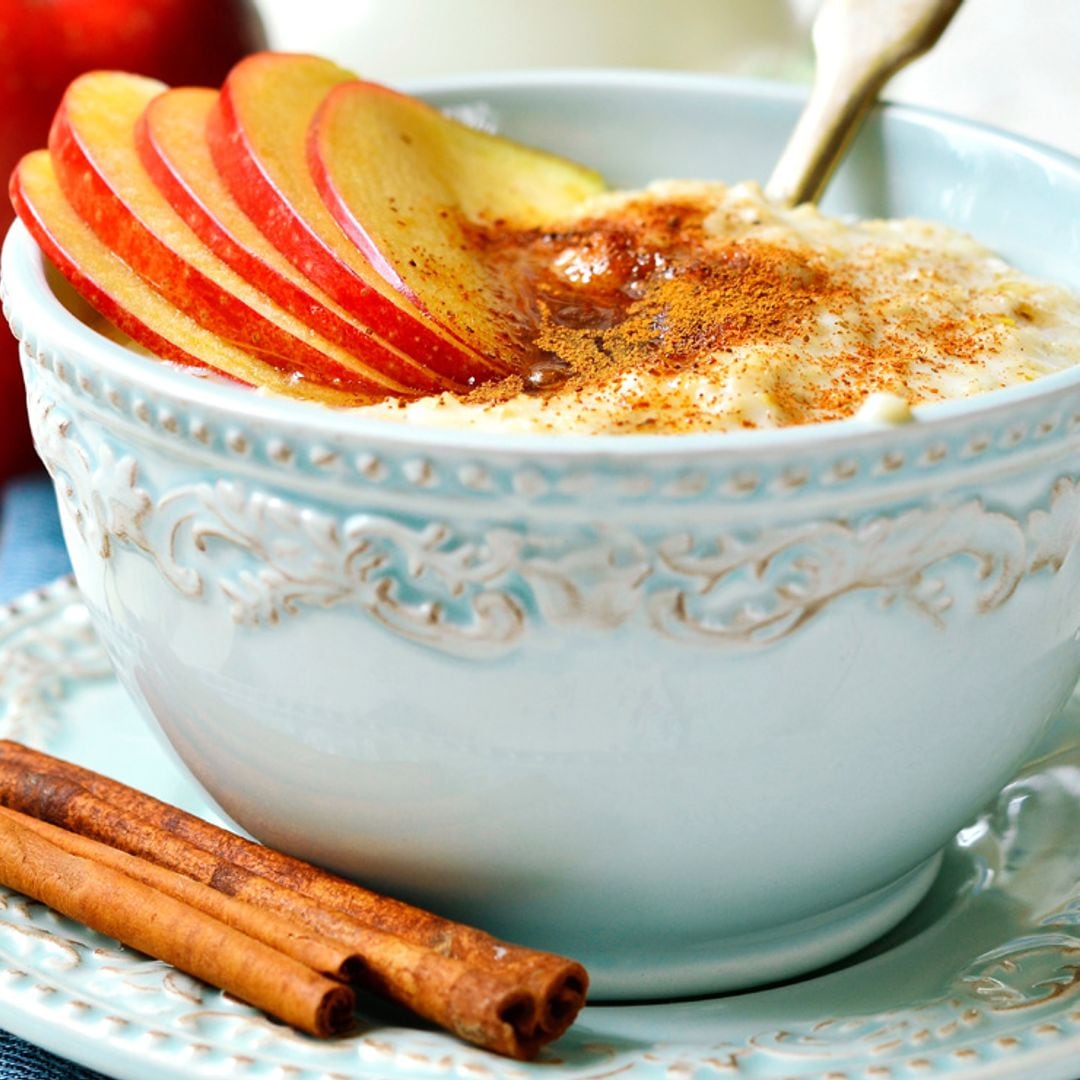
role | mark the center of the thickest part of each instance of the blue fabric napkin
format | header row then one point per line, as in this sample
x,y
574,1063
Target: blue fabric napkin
x,y
31,548
31,554
21,1061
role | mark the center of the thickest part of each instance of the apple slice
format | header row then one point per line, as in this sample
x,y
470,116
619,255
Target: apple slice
x,y
105,281
414,190
92,143
171,140
258,139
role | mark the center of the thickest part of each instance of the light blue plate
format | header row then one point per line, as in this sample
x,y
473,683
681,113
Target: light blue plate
x,y
981,981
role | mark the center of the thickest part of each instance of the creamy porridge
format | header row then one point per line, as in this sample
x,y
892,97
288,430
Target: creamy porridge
x,y
697,307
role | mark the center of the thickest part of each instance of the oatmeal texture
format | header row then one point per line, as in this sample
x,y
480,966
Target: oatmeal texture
x,y
691,307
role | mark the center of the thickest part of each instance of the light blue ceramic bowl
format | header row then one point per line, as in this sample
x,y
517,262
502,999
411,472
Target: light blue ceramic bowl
x,y
700,711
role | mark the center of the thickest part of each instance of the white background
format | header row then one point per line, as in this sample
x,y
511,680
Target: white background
x,y
1012,63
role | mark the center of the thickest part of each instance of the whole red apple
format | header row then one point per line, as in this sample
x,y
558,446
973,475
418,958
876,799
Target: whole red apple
x,y
44,45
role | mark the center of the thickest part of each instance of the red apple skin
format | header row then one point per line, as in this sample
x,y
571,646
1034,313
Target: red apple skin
x,y
389,168
288,229
111,287
47,232
44,45
129,230
183,171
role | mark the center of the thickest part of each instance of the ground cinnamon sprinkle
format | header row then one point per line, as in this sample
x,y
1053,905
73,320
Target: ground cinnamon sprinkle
x,y
701,302
649,289
693,307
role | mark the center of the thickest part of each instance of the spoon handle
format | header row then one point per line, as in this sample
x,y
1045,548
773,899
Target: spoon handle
x,y
858,45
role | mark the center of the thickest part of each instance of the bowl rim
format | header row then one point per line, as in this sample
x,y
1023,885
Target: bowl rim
x,y
31,304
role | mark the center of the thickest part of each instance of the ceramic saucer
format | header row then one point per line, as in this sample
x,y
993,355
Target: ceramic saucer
x,y
981,981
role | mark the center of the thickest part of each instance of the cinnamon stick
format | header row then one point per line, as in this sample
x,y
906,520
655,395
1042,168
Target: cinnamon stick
x,y
483,1008
155,923
295,940
504,997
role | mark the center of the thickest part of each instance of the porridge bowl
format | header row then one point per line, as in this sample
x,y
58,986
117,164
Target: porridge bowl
x,y
698,710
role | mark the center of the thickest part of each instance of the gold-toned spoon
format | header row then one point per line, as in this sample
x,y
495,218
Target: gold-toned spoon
x,y
858,46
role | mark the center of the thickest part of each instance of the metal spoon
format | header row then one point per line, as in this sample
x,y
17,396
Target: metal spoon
x,y
858,46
